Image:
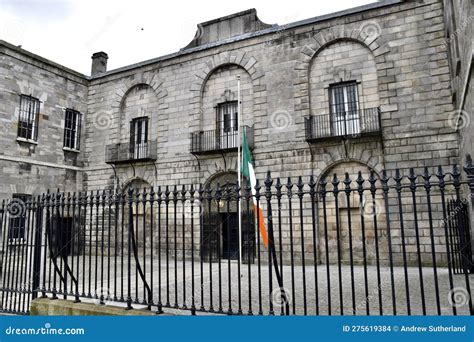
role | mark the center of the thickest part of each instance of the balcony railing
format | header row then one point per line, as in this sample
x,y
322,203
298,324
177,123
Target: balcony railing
x,y
126,152
217,140
353,124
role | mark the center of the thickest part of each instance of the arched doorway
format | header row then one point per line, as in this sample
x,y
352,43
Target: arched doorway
x,y
141,213
220,228
354,228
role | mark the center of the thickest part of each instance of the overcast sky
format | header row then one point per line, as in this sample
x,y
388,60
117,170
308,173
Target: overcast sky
x,y
130,31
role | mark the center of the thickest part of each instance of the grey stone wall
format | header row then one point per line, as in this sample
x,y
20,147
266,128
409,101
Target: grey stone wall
x,y
409,70
459,30
397,53
33,168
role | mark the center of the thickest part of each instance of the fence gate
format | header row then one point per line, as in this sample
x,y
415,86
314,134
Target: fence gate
x,y
20,254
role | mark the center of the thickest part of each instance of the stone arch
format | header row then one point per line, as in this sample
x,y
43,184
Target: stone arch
x,y
151,79
237,58
142,214
324,38
326,171
355,222
131,182
128,84
220,222
216,166
136,182
220,177
144,103
343,61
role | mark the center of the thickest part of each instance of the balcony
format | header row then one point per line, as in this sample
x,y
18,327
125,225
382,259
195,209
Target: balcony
x,y
363,122
123,153
207,142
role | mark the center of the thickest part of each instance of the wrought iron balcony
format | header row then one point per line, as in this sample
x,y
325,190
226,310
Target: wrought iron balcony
x,y
353,124
205,142
122,153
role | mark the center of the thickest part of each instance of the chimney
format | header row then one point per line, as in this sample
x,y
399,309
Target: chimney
x,y
99,63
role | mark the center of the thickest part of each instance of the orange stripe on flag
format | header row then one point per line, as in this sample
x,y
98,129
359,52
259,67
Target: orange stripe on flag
x,y
261,225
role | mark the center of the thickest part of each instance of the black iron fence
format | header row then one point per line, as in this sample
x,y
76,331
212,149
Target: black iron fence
x,y
353,124
363,244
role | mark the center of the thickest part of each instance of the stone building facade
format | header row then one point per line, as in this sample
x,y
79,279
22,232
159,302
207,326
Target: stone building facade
x,y
459,19
389,59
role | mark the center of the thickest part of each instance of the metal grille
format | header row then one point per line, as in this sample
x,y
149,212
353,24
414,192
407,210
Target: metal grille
x,y
28,117
344,109
215,140
139,138
360,123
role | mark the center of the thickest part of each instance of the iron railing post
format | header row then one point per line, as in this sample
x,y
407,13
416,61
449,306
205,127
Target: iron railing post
x,y
469,169
37,250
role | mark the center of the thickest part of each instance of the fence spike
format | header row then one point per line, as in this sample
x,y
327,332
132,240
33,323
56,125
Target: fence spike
x,y
469,161
268,180
440,171
335,183
218,193
300,186
455,170
347,182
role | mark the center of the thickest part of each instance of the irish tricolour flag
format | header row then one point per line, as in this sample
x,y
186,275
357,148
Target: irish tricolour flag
x,y
249,172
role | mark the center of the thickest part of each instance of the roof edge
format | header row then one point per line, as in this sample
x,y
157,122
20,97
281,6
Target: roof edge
x,y
270,30
187,51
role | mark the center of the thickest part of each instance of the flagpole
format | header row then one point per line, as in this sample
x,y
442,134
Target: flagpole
x,y
238,164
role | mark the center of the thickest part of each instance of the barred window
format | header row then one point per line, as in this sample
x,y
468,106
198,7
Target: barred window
x,y
17,222
344,107
72,129
227,116
139,137
28,117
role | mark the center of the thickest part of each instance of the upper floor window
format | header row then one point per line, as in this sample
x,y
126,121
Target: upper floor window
x,y
227,123
139,138
227,116
344,108
17,223
28,118
72,129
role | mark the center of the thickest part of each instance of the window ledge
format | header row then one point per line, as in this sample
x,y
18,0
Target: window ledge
x,y
28,141
68,149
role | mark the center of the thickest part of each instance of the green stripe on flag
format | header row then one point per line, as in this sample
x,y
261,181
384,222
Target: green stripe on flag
x,y
246,156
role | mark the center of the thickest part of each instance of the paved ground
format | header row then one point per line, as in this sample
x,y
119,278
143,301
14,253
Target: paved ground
x,y
250,299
